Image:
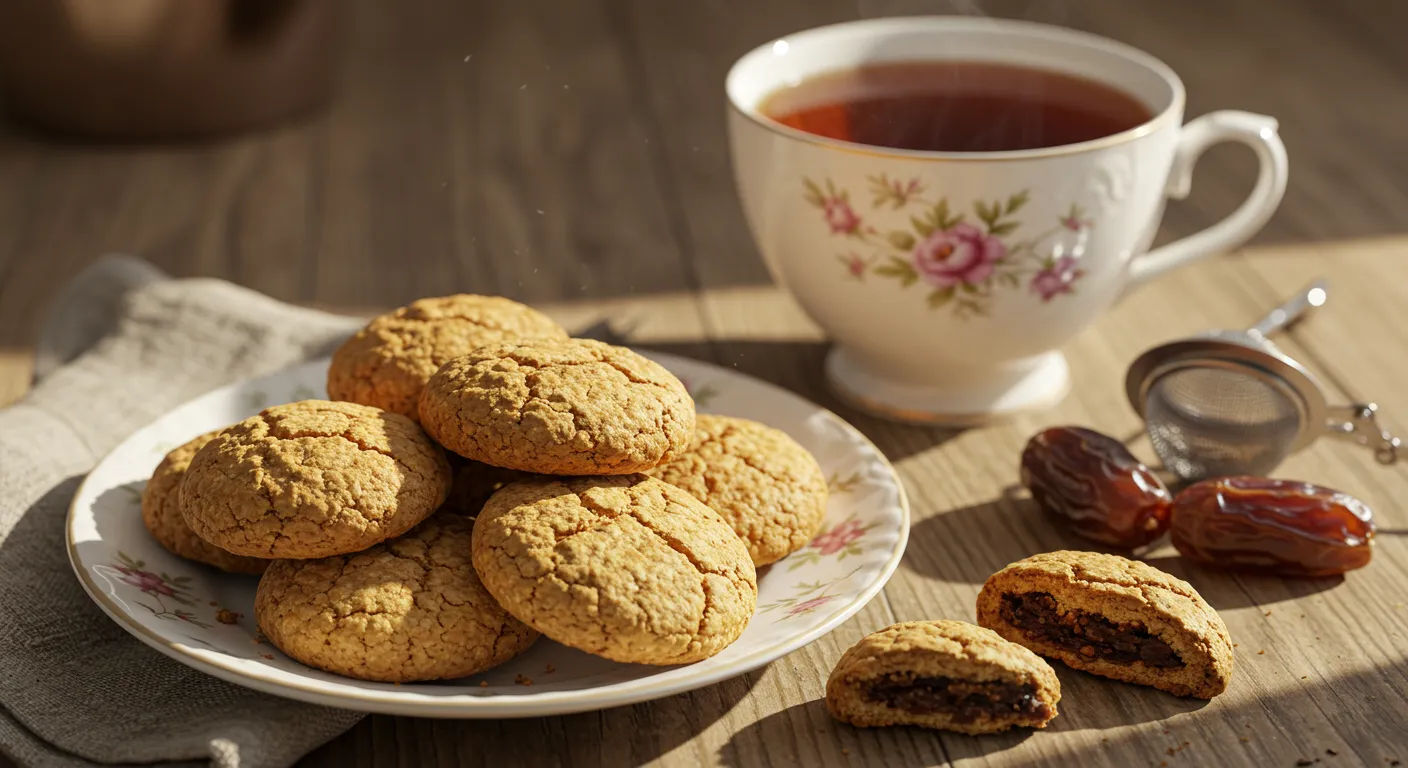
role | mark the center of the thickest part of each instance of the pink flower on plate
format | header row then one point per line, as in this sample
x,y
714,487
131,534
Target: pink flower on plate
x,y
839,216
839,538
855,265
959,254
809,605
1056,279
145,581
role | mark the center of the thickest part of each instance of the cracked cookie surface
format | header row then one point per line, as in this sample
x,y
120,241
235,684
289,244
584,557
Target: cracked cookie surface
x,y
408,609
574,407
312,479
387,363
766,485
625,567
161,512
1113,617
950,675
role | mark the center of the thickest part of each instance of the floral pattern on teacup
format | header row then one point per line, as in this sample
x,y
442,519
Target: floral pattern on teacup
x,y
962,261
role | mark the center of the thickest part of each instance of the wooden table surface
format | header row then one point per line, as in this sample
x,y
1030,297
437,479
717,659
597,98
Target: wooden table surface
x,y
572,155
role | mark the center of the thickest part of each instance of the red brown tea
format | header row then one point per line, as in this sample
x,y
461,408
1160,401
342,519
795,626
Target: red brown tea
x,y
955,106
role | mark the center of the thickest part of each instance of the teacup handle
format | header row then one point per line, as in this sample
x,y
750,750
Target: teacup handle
x,y
1257,132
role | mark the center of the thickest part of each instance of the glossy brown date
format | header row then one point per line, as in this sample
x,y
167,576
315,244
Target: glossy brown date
x,y
1283,527
1096,486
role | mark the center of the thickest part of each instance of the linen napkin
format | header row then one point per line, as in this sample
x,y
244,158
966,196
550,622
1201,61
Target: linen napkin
x,y
125,343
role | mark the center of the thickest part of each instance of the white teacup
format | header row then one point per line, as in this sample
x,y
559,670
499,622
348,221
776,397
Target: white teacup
x,y
956,323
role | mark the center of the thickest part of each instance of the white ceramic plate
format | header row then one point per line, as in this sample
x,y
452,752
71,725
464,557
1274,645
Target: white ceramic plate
x,y
172,604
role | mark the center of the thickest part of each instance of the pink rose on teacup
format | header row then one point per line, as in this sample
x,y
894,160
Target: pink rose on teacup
x,y
960,254
1056,279
839,216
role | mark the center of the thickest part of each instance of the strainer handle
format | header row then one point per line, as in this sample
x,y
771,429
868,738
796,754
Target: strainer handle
x,y
1257,132
1358,423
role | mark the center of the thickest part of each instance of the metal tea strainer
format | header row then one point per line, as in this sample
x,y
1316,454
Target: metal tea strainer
x,y
1232,403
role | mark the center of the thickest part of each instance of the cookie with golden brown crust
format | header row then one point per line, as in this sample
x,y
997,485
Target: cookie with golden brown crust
x,y
574,407
408,609
1114,617
949,675
313,479
161,512
625,567
758,478
387,363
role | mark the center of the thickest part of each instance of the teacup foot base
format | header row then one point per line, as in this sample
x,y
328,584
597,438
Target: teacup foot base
x,y
1036,386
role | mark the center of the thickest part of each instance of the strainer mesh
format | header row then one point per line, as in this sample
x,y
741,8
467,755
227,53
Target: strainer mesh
x,y
1211,422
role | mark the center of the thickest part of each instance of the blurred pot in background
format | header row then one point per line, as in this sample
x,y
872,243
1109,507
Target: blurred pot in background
x,y
146,69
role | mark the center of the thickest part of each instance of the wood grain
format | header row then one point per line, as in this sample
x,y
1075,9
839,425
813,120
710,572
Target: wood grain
x,y
573,155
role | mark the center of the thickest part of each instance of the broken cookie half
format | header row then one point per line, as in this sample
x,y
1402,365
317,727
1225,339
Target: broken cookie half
x,y
1111,616
949,675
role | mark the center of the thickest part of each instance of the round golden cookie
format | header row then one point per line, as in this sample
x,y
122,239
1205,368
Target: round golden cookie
x,y
574,407
628,568
950,675
387,363
161,512
408,609
758,478
313,479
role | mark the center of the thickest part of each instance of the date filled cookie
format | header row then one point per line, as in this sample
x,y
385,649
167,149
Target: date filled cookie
x,y
949,675
161,512
409,609
758,478
387,363
626,567
313,479
1118,618
574,407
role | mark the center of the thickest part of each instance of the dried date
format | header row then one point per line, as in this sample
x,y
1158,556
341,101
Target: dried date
x,y
1096,486
1283,527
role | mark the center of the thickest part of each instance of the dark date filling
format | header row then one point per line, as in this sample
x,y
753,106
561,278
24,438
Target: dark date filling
x,y
964,701
1088,634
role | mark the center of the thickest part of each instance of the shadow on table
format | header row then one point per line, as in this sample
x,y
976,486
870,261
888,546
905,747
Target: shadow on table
x,y
797,366
631,735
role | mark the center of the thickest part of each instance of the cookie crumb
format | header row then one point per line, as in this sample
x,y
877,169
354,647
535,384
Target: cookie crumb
x,y
483,683
1244,739
521,680
845,751
227,616
1331,752
1268,613
213,603
1305,677
1234,645
549,669
268,656
1171,751
1261,653
1163,764
1303,762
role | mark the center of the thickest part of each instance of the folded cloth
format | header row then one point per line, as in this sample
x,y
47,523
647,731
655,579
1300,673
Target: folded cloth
x,y
124,344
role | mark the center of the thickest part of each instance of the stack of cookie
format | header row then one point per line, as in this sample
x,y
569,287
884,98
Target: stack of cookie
x,y
582,499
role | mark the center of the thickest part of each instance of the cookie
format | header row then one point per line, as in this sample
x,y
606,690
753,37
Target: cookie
x,y
573,407
161,512
387,363
758,478
625,567
409,609
1109,616
949,675
313,479
475,481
